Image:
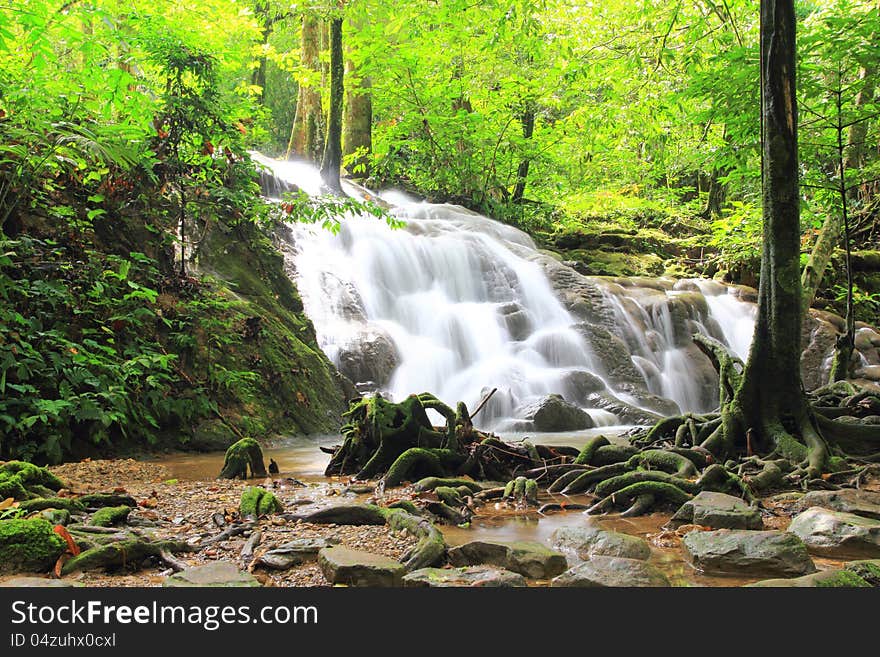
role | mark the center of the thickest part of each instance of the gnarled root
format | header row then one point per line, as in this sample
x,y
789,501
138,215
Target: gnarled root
x,y
639,497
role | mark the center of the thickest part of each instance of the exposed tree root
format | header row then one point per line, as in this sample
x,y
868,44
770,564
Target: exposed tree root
x,y
122,553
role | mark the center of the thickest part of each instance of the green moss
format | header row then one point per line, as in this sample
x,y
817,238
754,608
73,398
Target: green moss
x,y
18,476
28,545
256,502
241,456
589,449
841,578
420,459
56,516
659,459
110,515
11,486
66,503
868,570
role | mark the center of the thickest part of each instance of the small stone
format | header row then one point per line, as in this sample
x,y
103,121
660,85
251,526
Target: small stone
x,y
222,574
468,576
38,582
611,571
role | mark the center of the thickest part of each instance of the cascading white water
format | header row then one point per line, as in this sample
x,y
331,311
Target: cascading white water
x,y
449,304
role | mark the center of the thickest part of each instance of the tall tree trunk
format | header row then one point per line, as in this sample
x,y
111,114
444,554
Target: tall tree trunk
x,y
832,228
522,173
358,122
258,76
332,161
769,409
306,135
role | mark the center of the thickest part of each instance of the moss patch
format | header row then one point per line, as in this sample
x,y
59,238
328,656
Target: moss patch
x,y
28,546
110,515
256,502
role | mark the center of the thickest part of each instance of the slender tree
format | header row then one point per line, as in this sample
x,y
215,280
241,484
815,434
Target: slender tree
x,y
332,161
357,138
306,135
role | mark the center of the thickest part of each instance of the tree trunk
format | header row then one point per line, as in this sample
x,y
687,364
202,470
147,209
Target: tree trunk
x,y
358,121
522,172
306,135
332,161
832,227
769,409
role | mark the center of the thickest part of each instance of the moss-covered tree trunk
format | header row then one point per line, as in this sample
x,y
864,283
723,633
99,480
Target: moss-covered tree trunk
x,y
358,124
769,410
332,160
306,135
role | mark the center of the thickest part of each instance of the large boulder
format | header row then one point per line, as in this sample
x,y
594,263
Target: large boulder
x,y
553,413
28,545
747,553
468,576
368,358
717,511
527,558
849,500
219,574
818,338
611,571
583,543
342,565
837,534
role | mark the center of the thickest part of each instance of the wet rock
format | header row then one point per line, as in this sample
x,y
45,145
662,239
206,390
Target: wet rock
x,y
578,385
718,511
294,553
484,576
649,371
867,569
586,542
744,293
743,552
371,356
38,582
869,372
220,574
824,579
211,436
866,338
849,500
517,321
700,371
837,534
626,413
614,358
524,557
611,571
553,413
342,565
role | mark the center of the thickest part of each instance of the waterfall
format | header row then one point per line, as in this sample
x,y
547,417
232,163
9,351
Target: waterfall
x,y
456,304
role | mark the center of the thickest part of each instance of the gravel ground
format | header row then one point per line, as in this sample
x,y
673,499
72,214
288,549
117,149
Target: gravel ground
x,y
192,510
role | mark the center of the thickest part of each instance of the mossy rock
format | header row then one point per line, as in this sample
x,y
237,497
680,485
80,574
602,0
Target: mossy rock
x,y
867,569
28,546
110,516
244,455
56,516
106,499
256,502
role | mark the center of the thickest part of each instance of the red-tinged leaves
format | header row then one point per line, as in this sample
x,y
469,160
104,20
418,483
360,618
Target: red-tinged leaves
x,y
72,547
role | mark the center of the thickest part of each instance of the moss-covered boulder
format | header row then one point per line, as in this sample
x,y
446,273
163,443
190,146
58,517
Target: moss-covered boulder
x,y
110,516
256,502
867,569
242,456
28,546
39,504
823,579
527,558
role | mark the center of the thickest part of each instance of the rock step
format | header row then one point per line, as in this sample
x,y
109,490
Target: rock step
x,y
485,576
221,574
717,511
581,543
611,571
342,565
